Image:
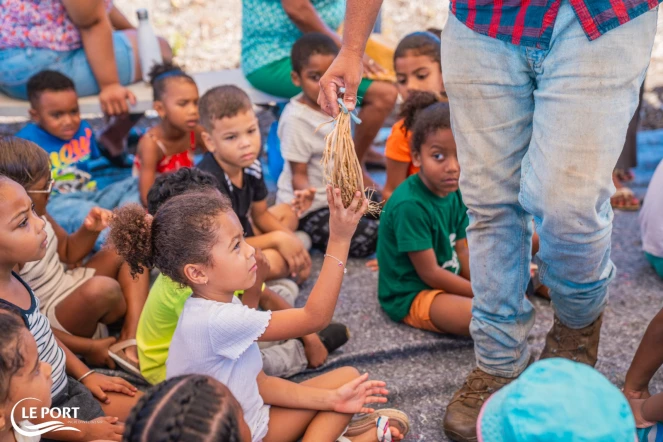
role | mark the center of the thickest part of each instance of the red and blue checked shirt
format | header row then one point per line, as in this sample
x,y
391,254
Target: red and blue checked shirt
x,y
530,22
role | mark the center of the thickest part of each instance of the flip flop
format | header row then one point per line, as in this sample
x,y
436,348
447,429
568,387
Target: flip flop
x,y
395,418
383,431
625,199
118,354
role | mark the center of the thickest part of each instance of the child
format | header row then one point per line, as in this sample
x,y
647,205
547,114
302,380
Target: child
x,y
418,68
196,239
166,301
169,145
232,138
651,227
79,302
557,400
23,239
422,248
58,129
200,408
302,131
22,375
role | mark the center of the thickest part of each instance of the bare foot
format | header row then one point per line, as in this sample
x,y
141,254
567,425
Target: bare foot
x,y
114,136
372,436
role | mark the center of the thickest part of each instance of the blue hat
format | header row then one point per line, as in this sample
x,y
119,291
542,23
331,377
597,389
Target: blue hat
x,y
557,400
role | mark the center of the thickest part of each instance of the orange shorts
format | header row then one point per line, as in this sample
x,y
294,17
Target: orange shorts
x,y
419,315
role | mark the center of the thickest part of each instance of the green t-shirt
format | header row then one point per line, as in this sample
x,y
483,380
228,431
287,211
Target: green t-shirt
x,y
157,324
415,219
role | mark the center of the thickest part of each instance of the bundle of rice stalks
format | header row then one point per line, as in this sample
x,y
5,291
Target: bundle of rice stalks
x,y
341,166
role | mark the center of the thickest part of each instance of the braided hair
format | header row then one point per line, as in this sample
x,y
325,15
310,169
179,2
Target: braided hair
x,y
191,408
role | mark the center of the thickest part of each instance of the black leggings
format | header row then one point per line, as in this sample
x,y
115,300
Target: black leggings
x,y
364,241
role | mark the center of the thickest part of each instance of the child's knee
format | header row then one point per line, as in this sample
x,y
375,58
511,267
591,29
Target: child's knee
x,y
346,374
106,291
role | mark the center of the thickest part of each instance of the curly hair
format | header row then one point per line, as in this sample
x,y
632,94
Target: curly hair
x,y
183,180
23,161
183,231
47,81
308,45
191,408
415,103
433,118
161,74
419,43
11,359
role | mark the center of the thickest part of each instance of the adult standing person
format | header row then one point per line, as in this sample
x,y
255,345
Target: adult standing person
x,y
271,27
74,37
541,95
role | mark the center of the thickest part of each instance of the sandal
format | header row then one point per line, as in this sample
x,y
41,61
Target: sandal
x,y
625,199
395,418
118,354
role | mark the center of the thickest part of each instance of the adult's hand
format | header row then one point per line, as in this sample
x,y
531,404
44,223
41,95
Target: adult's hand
x,y
114,98
346,72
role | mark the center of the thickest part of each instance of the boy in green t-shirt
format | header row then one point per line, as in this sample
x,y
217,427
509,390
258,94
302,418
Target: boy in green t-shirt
x,y
166,300
422,251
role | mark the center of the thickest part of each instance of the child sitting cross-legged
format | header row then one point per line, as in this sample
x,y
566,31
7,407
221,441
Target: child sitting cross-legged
x,y
103,402
198,407
196,239
422,252
302,132
167,297
57,128
79,298
170,144
232,138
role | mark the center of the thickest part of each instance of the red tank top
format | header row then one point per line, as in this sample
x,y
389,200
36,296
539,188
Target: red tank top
x,y
171,163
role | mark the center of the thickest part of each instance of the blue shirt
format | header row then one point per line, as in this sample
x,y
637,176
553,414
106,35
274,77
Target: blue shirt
x,y
68,157
651,434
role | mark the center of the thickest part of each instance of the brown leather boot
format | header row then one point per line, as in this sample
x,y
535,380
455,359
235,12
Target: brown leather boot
x,y
580,345
460,420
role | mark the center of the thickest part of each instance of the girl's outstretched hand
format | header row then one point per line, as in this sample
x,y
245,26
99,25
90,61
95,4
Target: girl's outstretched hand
x,y
343,222
353,396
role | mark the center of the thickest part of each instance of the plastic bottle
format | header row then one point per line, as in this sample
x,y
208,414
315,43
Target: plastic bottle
x,y
149,50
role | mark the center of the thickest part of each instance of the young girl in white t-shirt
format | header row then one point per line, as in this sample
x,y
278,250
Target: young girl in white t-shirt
x,y
197,240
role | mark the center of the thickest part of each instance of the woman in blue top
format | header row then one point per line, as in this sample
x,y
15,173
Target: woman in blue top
x,y
271,27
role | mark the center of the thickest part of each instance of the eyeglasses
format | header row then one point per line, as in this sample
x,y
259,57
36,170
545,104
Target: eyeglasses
x,y
49,187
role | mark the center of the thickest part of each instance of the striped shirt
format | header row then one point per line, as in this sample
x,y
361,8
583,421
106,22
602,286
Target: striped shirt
x,y
47,347
530,22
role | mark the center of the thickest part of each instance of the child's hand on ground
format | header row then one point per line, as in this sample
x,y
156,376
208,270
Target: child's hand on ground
x,y
303,201
103,428
343,222
353,396
97,355
97,220
294,253
372,265
636,408
99,384
316,353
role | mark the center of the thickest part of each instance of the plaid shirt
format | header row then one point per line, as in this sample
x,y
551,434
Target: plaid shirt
x,y
530,22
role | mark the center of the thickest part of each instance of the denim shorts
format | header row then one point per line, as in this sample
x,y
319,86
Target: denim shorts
x,y
19,64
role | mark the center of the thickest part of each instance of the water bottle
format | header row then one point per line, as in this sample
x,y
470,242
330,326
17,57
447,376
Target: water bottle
x,y
149,51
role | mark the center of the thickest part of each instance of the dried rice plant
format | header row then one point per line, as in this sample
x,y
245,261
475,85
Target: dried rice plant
x,y
341,166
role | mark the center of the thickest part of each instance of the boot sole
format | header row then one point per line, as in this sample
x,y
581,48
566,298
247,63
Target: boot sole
x,y
458,437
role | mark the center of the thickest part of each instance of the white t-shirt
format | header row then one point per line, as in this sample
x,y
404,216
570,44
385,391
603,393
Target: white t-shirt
x,y
219,340
651,215
301,143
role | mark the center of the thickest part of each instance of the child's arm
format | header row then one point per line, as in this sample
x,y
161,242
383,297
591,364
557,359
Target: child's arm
x,y
318,311
647,360
425,263
93,351
149,155
304,194
396,174
350,398
287,244
652,408
263,218
97,383
73,248
463,252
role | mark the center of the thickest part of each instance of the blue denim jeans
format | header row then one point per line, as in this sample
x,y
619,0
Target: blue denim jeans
x,y
538,134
